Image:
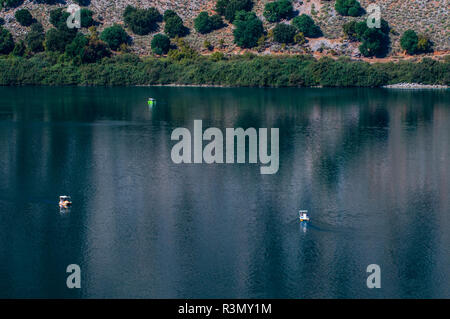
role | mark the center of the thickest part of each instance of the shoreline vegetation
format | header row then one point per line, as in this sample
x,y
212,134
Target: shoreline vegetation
x,y
57,53
248,70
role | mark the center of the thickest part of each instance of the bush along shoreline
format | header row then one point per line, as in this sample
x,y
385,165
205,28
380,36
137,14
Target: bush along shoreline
x,y
186,68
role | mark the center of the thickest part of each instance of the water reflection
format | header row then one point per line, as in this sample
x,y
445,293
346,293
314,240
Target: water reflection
x,y
372,167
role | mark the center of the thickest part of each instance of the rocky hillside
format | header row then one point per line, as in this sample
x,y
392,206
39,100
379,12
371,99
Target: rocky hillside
x,y
425,16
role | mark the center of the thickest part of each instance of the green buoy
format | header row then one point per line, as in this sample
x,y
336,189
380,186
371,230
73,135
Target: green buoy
x,y
151,101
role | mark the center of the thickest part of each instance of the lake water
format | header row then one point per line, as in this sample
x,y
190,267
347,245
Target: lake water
x,y
372,166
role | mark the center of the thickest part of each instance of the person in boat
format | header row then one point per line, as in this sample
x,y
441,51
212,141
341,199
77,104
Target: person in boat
x,y
64,201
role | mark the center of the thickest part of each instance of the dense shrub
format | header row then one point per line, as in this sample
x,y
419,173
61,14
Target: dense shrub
x,y
414,44
349,29
204,23
216,21
86,18
299,38
424,44
58,17
11,3
348,8
95,50
229,8
409,41
169,14
360,28
277,10
184,67
24,17
160,44
372,44
6,41
221,6
83,2
284,33
248,29
19,49
305,24
115,36
184,53
375,41
77,47
46,1
56,40
174,25
142,21
35,38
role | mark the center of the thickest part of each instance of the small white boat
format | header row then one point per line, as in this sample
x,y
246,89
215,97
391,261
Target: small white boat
x,y
65,201
303,215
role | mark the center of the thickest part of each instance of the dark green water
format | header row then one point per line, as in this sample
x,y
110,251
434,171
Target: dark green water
x,y
372,166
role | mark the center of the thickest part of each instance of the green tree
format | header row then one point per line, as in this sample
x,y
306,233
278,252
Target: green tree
x,y
95,50
46,1
235,6
277,10
77,47
305,24
160,44
115,36
58,38
24,17
375,41
201,23
35,38
55,41
284,33
216,21
360,28
86,18
6,41
83,3
58,17
174,26
229,8
372,42
221,6
204,23
348,8
11,3
142,21
169,14
409,41
248,29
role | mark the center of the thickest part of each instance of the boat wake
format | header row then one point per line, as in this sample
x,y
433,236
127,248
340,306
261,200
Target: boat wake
x,y
27,200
